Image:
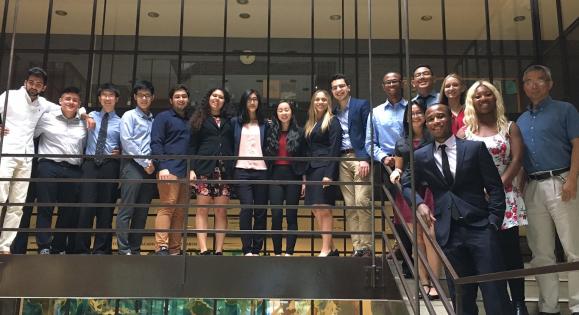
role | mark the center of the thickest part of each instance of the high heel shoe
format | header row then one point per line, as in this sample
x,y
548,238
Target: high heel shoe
x,y
334,252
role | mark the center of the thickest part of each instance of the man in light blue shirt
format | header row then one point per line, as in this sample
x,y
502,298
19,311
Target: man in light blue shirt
x,y
423,83
136,140
387,121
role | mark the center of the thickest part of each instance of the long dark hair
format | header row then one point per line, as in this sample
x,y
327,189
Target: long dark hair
x,y
244,114
203,110
408,110
294,133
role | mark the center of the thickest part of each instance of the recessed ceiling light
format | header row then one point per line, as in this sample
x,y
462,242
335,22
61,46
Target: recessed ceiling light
x,y
244,15
153,14
243,1
519,18
335,17
61,12
426,18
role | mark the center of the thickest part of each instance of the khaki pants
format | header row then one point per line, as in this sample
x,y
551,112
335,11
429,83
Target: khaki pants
x,y
357,195
548,215
13,167
170,217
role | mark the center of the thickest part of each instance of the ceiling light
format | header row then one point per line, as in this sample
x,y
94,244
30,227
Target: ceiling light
x,y
243,1
426,18
335,17
153,14
61,12
244,15
519,18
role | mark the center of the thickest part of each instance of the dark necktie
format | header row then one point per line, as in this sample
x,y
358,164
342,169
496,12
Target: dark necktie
x,y
101,141
422,100
446,165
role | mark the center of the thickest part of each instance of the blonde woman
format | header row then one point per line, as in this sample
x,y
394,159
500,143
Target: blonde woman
x,y
452,94
485,120
324,137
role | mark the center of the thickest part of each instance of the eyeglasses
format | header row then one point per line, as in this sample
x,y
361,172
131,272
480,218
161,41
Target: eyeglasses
x,y
539,82
144,96
423,74
391,82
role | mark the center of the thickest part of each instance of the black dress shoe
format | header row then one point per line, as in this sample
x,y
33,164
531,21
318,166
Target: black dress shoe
x,y
206,253
520,308
335,252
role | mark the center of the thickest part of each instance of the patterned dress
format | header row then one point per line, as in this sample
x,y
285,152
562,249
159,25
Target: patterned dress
x,y
499,147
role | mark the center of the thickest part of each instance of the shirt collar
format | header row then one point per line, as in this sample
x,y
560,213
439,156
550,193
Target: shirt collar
x,y
402,102
142,114
28,99
111,114
541,104
450,142
60,115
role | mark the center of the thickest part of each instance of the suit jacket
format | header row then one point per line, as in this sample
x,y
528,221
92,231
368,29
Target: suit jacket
x,y
475,174
237,125
358,111
328,144
212,140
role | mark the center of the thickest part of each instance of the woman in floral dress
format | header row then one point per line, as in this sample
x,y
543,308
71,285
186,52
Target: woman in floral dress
x,y
485,121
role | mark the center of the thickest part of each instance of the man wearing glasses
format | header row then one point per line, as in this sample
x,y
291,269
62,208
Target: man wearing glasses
x,y
423,83
136,127
550,132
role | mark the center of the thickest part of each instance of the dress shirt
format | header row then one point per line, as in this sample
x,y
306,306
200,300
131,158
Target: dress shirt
x,y
113,141
21,119
136,134
547,134
171,135
343,119
450,152
388,122
61,135
431,100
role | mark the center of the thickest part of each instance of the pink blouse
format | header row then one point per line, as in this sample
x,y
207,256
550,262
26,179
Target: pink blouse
x,y
250,146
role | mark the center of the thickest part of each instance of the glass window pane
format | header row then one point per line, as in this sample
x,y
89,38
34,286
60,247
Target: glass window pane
x,y
570,10
240,77
327,26
71,24
201,73
22,62
385,30
290,80
115,25
159,25
291,26
116,69
161,70
549,25
66,70
203,25
425,20
28,35
247,26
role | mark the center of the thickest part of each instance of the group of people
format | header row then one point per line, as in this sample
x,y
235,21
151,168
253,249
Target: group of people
x,y
471,167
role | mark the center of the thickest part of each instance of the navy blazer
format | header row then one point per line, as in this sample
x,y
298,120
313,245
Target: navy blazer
x,y
237,125
358,111
212,140
475,173
328,144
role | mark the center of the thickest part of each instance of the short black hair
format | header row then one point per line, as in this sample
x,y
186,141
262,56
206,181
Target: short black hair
x,y
423,65
70,90
339,76
38,72
178,87
143,85
108,87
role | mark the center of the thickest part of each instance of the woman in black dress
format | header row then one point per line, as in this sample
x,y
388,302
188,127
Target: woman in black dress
x,y
324,137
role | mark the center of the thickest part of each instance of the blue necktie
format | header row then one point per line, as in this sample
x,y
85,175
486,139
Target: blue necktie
x,y
101,141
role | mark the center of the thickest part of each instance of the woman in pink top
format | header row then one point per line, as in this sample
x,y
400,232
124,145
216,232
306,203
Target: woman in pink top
x,y
249,130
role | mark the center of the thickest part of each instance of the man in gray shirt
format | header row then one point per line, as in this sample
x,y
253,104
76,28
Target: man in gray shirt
x,y
61,132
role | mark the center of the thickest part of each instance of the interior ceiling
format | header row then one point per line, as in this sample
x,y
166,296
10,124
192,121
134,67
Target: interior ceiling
x,y
465,19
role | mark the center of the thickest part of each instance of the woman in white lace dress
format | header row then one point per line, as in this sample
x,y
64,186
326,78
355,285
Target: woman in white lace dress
x,y
485,121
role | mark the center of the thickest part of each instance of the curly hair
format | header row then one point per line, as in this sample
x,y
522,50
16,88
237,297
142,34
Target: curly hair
x,y
203,110
293,136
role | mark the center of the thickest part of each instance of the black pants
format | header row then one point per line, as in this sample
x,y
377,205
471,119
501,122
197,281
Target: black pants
x,y
277,195
511,250
92,192
57,192
252,194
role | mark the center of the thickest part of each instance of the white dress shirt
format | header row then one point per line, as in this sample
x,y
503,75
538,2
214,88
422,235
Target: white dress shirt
x,y
61,135
450,152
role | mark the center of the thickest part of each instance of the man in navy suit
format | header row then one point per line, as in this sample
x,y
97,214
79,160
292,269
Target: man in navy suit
x,y
470,204
352,113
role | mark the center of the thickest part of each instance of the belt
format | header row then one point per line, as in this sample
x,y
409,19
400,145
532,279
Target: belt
x,y
347,151
548,174
62,163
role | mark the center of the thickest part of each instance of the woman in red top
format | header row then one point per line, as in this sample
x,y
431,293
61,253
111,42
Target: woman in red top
x,y
285,139
452,94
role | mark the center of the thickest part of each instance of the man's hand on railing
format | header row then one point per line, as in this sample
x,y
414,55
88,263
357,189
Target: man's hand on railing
x,y
395,176
326,180
166,175
363,168
423,211
388,161
150,169
192,177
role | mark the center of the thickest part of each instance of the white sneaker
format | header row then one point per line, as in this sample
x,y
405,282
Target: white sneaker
x,y
288,255
249,254
44,251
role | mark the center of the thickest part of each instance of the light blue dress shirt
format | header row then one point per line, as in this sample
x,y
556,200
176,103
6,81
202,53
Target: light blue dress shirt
x,y
136,134
113,133
432,99
387,120
343,119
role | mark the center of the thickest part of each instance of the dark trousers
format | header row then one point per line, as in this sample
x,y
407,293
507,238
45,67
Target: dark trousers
x,y
57,192
133,217
474,251
511,251
92,192
20,243
252,194
277,195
